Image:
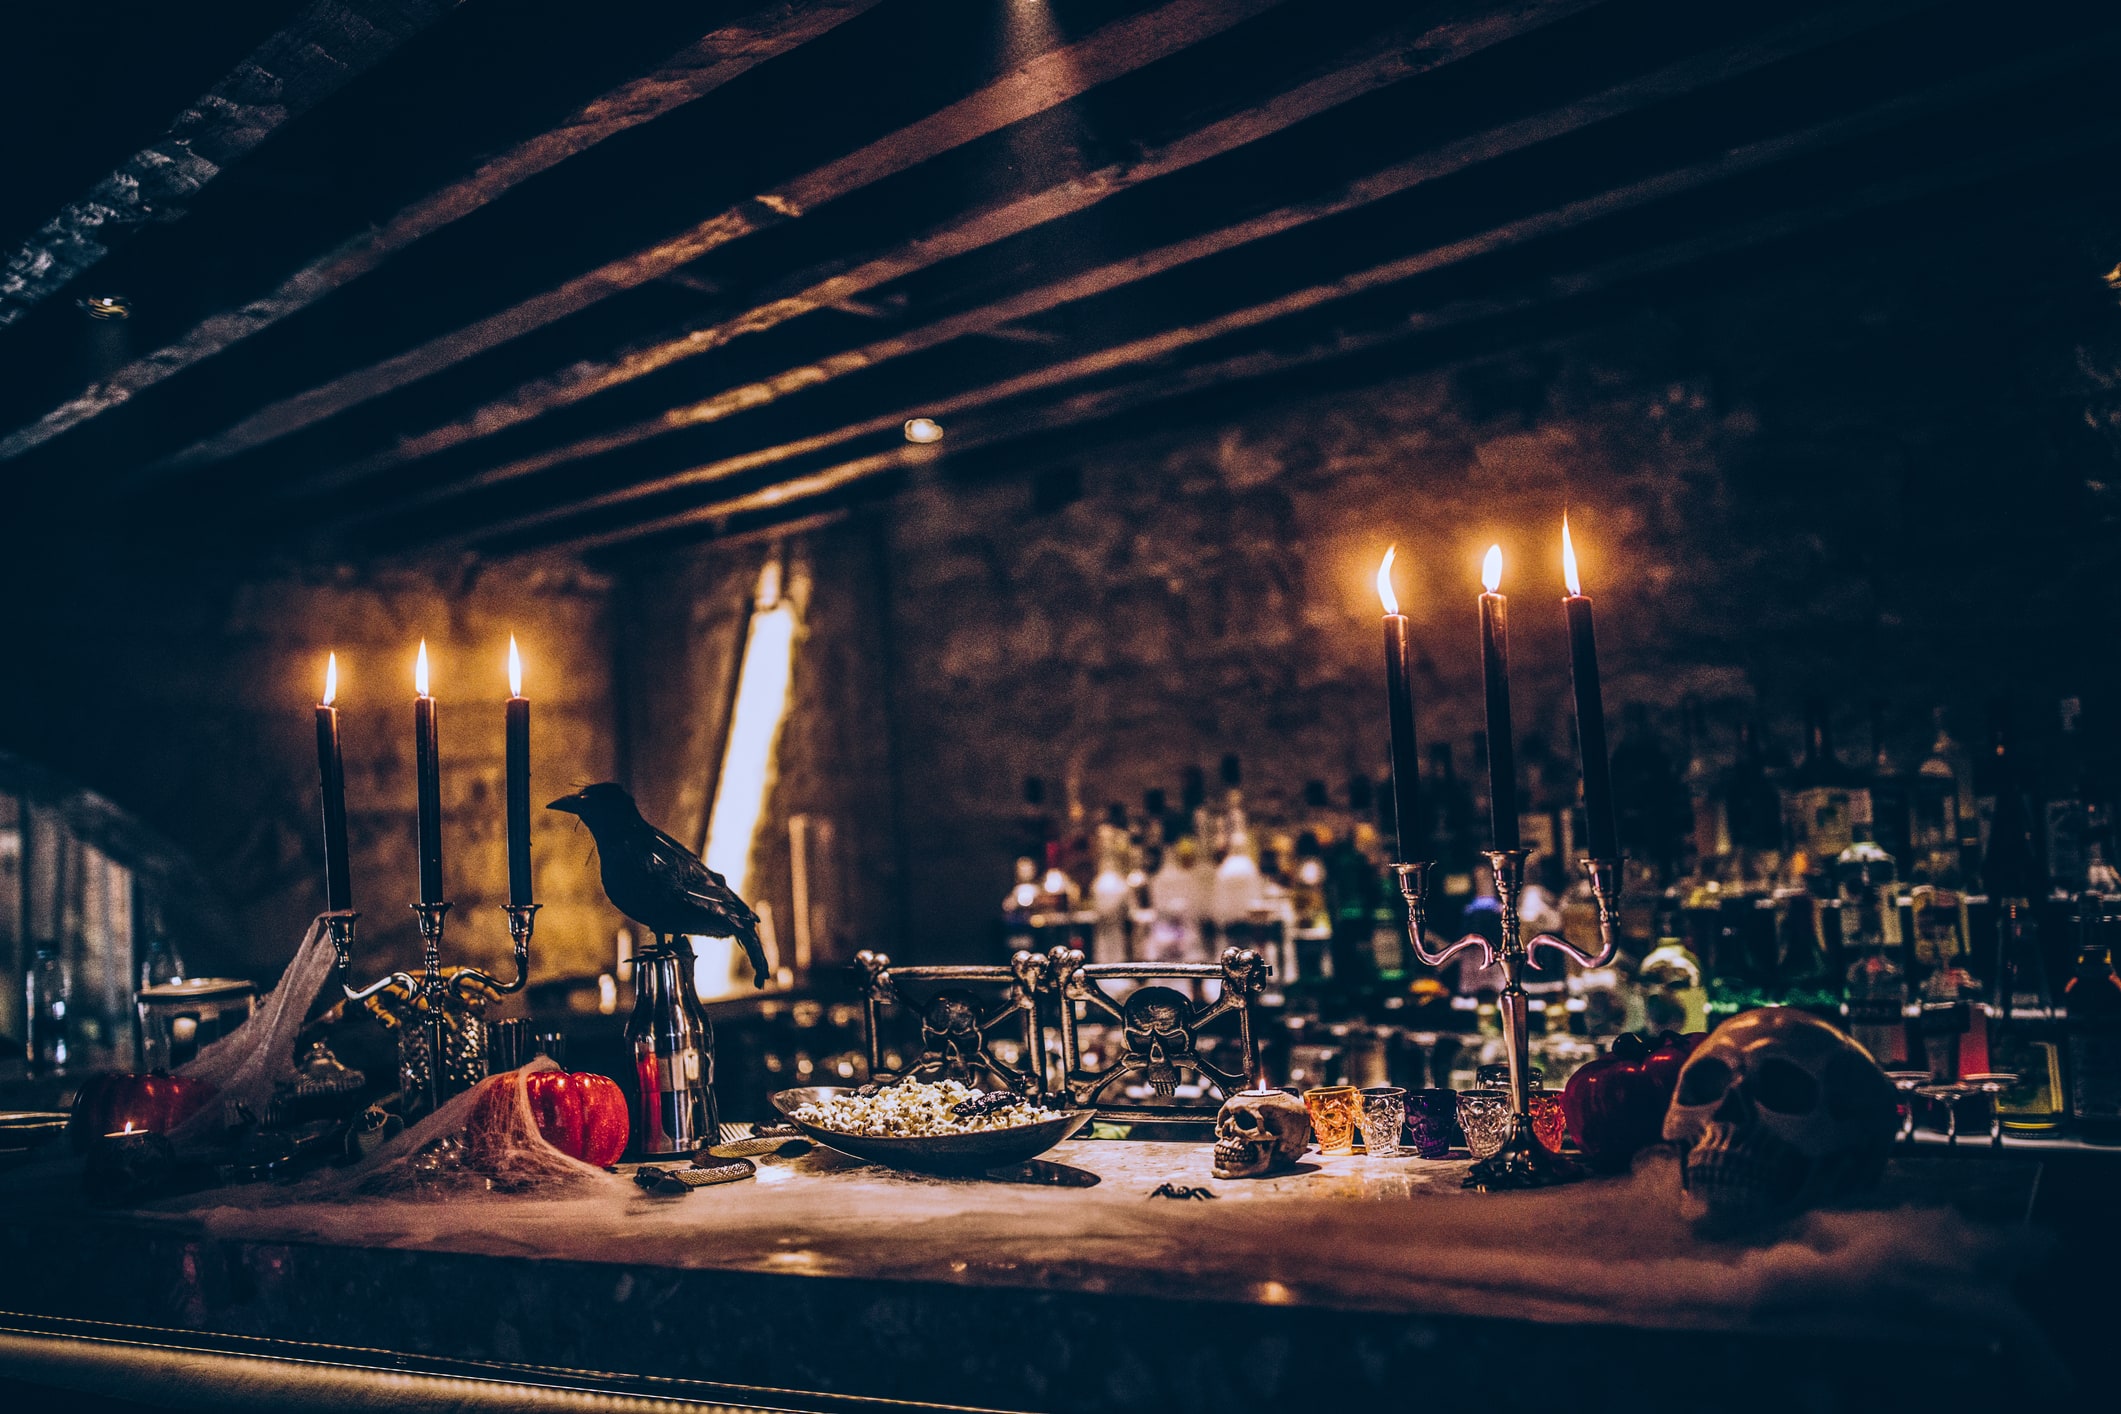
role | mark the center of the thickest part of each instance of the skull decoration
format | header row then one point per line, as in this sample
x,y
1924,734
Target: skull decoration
x,y
950,1034
1260,1132
1157,1037
1774,1112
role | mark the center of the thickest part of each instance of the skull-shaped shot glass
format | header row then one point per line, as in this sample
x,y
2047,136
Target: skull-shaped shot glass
x,y
1777,1111
1260,1132
1335,1111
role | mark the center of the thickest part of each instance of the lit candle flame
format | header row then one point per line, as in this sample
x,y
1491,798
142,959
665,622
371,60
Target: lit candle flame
x,y
1384,582
1568,562
331,680
515,669
1491,569
419,670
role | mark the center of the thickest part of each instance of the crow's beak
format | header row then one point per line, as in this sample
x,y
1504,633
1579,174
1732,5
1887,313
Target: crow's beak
x,y
567,805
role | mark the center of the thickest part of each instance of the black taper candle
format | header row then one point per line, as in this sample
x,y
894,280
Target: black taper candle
x,y
1495,672
518,764
1601,836
1399,712
331,771
427,765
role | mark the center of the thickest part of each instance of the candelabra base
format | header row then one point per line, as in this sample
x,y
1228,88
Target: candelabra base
x,y
1522,1162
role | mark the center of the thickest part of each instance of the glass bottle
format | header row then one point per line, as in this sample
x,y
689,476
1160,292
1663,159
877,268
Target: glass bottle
x,y
1891,806
1711,833
49,990
1674,997
1820,799
1109,894
1752,809
2024,1039
1934,840
673,1054
2092,1031
2066,823
1876,995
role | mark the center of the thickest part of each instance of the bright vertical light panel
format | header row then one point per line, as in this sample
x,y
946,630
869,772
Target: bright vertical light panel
x,y
754,729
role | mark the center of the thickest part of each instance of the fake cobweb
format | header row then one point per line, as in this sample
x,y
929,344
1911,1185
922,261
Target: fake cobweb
x,y
484,1141
247,1064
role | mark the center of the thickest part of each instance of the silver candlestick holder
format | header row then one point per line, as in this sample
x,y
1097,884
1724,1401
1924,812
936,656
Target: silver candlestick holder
x,y
446,1006
1522,1161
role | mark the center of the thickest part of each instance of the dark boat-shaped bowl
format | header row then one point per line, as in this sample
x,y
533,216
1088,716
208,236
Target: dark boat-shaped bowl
x,y
935,1153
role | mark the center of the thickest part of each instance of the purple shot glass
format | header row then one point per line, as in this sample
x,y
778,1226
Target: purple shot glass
x,y
1432,1122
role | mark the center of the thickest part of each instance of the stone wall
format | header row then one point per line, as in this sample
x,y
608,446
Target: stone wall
x,y
186,700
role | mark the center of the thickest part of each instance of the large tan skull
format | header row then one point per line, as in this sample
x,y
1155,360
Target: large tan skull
x,y
1777,1111
1258,1132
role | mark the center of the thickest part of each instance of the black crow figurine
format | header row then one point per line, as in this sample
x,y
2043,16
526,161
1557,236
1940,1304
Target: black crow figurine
x,y
656,881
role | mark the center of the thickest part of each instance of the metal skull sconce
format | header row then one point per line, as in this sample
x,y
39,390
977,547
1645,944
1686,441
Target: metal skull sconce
x,y
951,1034
1158,1040
1776,1112
1260,1132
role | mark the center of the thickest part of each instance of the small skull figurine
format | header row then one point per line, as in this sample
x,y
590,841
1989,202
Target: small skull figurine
x,y
1774,1112
1157,1036
1260,1132
950,1034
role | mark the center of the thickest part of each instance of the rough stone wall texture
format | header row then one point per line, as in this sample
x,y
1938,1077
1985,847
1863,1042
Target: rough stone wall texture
x,y
187,700
1870,478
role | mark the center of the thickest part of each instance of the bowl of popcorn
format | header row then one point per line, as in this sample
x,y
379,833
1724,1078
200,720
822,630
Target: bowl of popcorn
x,y
941,1126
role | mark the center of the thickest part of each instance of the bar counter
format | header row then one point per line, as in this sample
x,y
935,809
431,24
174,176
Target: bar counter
x,y
827,1283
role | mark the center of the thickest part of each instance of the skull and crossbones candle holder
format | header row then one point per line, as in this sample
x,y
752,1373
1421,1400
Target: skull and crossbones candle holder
x,y
1522,1161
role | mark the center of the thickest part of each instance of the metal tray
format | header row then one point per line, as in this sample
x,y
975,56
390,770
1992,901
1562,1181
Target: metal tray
x,y
939,1153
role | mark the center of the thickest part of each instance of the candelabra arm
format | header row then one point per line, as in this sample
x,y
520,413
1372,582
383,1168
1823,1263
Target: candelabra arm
x,y
522,921
1604,876
339,925
1414,888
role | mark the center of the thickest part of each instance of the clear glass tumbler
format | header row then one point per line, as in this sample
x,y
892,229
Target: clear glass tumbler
x,y
1384,1118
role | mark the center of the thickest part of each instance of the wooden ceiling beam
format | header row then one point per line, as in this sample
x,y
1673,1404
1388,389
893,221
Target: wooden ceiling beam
x,y
1043,82
320,51
1117,274
1410,49
801,497
699,69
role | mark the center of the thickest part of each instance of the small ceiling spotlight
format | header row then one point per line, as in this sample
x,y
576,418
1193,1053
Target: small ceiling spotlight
x,y
107,307
923,430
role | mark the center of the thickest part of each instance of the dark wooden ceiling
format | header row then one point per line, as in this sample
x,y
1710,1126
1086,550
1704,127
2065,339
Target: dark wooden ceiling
x,y
506,276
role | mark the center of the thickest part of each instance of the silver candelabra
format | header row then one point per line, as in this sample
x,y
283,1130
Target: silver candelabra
x,y
1522,1161
446,1005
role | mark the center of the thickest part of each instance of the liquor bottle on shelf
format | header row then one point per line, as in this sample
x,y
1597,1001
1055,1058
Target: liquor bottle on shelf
x,y
1875,999
1934,838
1710,837
1176,904
1035,826
1237,889
1808,977
2091,1004
2024,1037
1652,815
1674,997
2011,868
1020,903
2067,825
1110,896
1821,797
1752,810
1953,1029
1891,803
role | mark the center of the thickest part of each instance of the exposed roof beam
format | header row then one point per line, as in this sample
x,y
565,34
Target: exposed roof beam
x,y
699,69
1453,157
1050,79
801,495
328,44
1410,49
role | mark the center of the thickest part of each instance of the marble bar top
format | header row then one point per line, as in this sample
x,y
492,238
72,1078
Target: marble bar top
x,y
1388,1250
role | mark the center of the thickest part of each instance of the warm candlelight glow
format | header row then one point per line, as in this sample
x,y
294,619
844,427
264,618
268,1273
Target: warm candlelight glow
x,y
515,669
331,680
1568,561
419,670
1491,569
1384,582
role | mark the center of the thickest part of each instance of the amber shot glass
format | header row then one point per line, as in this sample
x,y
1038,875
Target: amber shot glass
x,y
1335,1112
